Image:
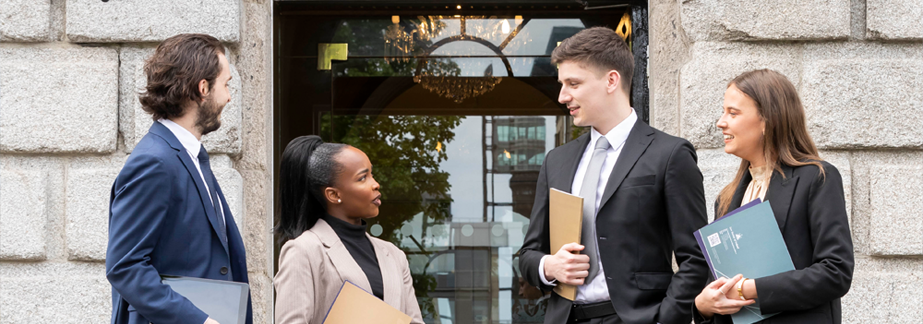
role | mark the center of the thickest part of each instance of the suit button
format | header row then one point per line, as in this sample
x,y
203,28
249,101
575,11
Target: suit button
x,y
224,270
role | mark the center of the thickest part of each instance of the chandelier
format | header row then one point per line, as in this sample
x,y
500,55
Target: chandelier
x,y
443,79
457,88
400,43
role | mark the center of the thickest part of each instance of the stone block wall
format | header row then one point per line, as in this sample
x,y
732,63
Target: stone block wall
x,y
69,117
70,71
858,66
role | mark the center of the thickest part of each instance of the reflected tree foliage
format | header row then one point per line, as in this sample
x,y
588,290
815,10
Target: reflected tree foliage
x,y
405,151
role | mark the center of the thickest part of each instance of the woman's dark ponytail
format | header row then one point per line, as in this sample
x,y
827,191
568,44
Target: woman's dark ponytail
x,y
307,167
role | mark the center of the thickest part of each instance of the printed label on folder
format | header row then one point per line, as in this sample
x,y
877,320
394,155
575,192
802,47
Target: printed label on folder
x,y
714,240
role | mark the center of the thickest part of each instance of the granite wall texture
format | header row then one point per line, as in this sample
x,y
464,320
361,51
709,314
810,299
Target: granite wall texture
x,y
70,71
858,66
69,116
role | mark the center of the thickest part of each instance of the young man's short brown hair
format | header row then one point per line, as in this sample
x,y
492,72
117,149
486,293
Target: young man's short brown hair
x,y
174,71
599,48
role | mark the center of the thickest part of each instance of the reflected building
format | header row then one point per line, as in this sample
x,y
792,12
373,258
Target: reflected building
x,y
456,110
518,148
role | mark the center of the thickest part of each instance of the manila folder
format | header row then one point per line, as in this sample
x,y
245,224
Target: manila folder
x,y
354,305
565,217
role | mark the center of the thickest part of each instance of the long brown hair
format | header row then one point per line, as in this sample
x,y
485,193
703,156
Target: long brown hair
x,y
786,140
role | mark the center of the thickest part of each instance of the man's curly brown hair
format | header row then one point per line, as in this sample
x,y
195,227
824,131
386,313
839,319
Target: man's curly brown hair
x,y
174,71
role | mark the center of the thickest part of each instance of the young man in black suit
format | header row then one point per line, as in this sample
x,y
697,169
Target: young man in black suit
x,y
643,199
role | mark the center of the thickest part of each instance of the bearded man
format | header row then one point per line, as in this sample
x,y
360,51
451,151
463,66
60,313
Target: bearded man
x,y
167,214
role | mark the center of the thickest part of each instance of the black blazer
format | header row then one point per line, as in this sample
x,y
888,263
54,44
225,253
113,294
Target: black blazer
x,y
811,212
652,203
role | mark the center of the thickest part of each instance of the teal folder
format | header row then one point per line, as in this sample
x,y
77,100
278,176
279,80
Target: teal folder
x,y
223,301
746,241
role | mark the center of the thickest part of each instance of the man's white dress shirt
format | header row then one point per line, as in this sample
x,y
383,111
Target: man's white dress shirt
x,y
597,290
192,146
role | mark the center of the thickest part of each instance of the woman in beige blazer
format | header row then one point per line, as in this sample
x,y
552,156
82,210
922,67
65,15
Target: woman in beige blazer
x,y
327,190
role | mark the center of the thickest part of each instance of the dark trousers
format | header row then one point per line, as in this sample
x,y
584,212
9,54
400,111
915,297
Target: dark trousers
x,y
611,319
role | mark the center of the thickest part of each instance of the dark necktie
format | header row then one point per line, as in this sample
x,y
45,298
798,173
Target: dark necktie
x,y
588,192
213,191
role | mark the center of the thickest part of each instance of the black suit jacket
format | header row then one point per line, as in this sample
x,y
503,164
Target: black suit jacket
x,y
652,203
811,212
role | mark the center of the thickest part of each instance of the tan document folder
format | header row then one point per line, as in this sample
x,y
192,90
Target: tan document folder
x,y
565,221
354,305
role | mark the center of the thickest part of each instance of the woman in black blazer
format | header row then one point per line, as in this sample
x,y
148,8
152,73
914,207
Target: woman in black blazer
x,y
764,124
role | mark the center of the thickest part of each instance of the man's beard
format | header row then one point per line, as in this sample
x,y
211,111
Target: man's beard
x,y
208,119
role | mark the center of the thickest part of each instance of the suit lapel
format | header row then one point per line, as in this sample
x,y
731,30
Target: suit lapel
x,y
165,133
571,164
344,263
638,140
391,275
235,241
780,193
736,200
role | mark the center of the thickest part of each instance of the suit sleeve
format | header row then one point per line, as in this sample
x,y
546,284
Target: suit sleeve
x,y
294,283
831,274
536,242
139,207
684,197
410,305
697,317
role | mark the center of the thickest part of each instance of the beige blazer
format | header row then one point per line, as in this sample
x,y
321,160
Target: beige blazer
x,y
313,267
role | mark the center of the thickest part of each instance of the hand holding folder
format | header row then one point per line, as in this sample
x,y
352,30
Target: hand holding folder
x,y
565,220
223,301
745,241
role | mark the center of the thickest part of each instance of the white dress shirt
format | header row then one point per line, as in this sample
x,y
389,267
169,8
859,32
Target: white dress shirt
x,y
192,146
597,290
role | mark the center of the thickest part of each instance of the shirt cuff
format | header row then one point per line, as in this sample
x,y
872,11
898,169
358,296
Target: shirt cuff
x,y
541,273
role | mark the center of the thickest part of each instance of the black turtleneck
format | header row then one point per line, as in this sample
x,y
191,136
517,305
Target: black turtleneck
x,y
361,249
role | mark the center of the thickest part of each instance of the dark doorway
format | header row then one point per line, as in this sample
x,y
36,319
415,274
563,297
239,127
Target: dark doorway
x,y
456,106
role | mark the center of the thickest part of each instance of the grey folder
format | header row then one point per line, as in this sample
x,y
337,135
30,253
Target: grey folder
x,y
223,301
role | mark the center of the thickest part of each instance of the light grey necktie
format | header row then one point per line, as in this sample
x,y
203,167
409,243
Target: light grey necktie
x,y
588,192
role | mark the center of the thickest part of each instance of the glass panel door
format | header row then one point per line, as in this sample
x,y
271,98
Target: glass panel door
x,y
456,113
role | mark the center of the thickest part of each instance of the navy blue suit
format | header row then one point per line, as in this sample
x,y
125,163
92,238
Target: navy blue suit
x,y
161,222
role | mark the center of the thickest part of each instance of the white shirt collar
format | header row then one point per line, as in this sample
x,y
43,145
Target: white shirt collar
x,y
618,134
185,137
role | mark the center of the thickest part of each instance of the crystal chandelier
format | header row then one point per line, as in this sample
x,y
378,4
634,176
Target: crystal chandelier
x,y
435,78
460,88
457,88
400,44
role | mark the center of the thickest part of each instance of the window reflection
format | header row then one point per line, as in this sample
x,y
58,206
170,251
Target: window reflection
x,y
526,44
458,176
459,217
458,189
